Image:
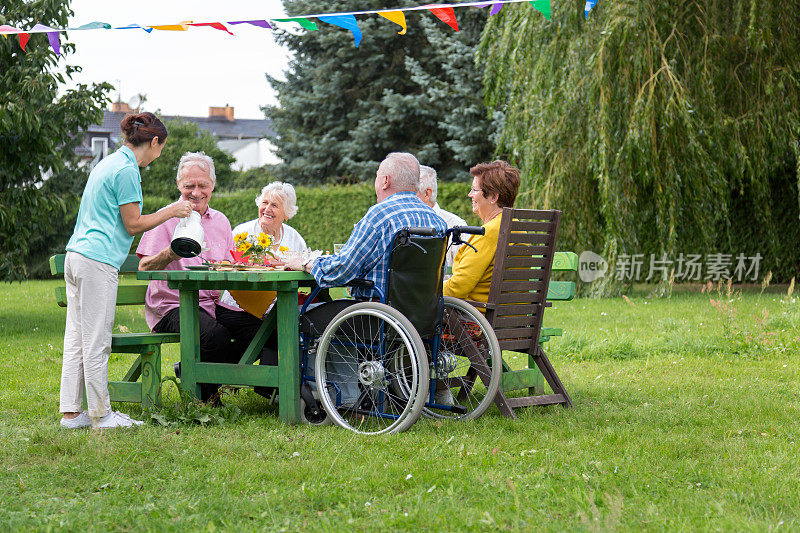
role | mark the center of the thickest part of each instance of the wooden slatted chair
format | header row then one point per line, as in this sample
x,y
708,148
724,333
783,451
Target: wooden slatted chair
x,y
518,297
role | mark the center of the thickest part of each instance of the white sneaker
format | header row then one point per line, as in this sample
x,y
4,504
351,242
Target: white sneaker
x,y
115,419
444,397
80,421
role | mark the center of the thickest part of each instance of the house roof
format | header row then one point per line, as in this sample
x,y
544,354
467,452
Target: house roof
x,y
241,128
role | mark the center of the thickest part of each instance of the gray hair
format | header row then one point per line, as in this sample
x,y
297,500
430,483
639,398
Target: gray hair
x,y
199,159
427,180
285,192
404,170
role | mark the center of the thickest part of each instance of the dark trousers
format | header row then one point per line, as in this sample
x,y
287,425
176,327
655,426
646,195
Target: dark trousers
x,y
243,327
223,339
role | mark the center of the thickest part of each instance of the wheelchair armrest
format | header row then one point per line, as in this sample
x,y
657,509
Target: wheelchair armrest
x,y
361,284
480,305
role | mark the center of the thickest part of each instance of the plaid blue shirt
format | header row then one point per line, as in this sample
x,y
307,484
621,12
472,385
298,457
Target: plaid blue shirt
x,y
365,255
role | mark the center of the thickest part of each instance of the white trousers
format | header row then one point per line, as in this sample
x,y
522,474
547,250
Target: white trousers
x,y
91,302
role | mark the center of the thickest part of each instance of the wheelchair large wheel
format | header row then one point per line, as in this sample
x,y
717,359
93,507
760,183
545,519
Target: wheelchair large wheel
x,y
363,353
469,362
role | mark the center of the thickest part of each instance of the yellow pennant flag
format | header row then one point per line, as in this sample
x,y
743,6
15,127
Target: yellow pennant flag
x,y
173,27
397,17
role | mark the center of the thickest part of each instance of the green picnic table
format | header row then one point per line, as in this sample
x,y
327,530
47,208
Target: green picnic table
x,y
284,316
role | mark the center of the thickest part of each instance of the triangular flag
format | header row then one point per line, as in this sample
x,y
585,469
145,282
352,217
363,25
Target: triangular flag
x,y
183,26
589,5
307,24
93,26
543,6
52,36
496,9
216,25
23,40
347,22
446,15
258,23
5,30
133,27
398,17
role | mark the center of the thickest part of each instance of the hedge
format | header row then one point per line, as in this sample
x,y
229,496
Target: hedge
x,y
326,214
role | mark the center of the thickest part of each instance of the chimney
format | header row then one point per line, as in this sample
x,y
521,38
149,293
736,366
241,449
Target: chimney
x,y
121,107
221,113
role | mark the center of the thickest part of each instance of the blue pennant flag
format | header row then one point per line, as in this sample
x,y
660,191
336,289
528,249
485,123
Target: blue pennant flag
x,y
133,27
347,22
589,5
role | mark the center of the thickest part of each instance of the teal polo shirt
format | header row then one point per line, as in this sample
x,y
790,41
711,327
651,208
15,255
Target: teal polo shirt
x,y
99,232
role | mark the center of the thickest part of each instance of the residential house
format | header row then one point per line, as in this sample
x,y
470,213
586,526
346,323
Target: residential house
x,y
245,139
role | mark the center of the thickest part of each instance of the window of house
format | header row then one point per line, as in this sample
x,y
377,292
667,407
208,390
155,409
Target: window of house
x,y
99,148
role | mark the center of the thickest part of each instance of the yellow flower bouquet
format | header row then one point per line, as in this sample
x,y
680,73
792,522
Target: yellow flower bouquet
x,y
253,248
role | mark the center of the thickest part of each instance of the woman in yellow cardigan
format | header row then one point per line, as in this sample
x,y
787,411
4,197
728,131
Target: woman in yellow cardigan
x,y
494,186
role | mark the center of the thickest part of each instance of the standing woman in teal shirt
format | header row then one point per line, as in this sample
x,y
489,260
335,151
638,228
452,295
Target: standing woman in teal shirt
x,y
108,218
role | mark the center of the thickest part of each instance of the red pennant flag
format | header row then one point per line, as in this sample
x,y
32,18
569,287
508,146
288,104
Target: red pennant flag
x,y
23,40
216,25
446,15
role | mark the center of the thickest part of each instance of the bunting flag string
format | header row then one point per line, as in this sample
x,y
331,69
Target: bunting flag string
x,y
346,20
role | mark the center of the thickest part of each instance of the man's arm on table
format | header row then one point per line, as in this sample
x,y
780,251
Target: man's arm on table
x,y
158,261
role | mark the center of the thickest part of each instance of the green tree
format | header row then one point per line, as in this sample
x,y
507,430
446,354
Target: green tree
x,y
342,109
656,126
36,138
158,178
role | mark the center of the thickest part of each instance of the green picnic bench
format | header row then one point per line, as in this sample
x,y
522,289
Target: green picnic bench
x,y
142,382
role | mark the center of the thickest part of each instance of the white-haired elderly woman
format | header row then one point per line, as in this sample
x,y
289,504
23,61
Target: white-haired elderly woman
x,y
276,204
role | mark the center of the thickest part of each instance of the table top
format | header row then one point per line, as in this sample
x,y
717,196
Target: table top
x,y
233,275
229,279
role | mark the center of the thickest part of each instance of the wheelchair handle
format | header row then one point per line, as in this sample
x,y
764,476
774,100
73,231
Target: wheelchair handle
x,y
423,232
472,230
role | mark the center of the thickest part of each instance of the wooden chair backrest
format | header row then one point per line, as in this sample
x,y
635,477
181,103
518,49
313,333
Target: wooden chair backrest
x,y
521,276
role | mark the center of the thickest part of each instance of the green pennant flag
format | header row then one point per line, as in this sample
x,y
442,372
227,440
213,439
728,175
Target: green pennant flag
x,y
307,24
93,26
542,6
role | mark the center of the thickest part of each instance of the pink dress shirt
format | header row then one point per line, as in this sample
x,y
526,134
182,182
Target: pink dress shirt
x,y
160,299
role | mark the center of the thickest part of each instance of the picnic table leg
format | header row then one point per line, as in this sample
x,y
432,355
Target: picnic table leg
x,y
288,353
190,340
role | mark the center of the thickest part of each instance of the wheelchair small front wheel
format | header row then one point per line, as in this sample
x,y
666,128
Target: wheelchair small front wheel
x,y
363,353
469,363
308,417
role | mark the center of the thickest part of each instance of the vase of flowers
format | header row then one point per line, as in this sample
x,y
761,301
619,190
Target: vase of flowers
x,y
253,249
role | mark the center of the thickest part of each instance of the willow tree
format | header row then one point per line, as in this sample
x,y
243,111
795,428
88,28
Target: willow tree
x,y
656,126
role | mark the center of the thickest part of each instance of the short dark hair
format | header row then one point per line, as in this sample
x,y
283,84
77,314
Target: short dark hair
x,y
500,178
141,128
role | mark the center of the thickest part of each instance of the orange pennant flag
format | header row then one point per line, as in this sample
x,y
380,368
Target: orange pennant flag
x,y
446,15
397,17
183,26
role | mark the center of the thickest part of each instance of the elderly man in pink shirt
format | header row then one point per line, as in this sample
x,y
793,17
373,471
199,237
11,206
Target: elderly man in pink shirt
x,y
196,180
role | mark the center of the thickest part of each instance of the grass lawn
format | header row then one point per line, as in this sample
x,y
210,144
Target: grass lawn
x,y
686,417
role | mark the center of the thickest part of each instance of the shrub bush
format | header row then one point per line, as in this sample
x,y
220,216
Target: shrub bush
x,y
326,214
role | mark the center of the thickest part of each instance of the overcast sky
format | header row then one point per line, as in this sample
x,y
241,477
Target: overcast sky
x,y
182,73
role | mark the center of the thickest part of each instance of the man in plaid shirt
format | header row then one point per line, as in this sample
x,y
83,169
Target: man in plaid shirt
x,y
365,254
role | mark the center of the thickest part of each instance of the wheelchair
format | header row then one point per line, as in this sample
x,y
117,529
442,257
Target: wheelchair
x,y
374,366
